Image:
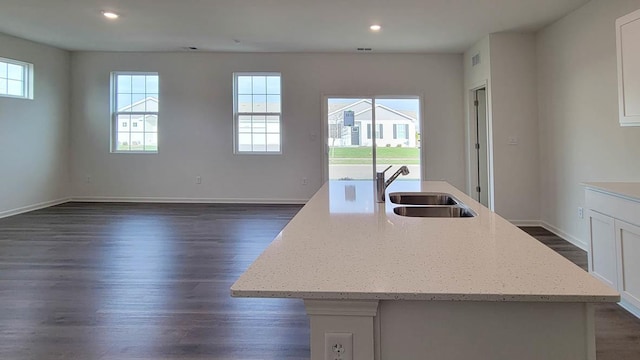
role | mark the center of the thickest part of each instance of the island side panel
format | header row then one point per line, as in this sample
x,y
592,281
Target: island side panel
x,y
486,330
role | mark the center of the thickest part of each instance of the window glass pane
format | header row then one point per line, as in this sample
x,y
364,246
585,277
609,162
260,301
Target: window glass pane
x,y
273,103
273,85
273,124
259,103
137,102
3,86
3,69
273,142
245,103
138,84
137,141
124,123
124,102
259,85
124,84
259,125
137,123
15,72
151,123
244,142
244,123
15,87
259,142
151,142
152,84
151,102
244,85
123,141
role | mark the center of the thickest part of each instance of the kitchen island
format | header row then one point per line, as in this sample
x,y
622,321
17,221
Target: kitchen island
x,y
425,288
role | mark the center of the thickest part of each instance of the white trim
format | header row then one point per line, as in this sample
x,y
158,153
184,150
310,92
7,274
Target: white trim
x,y
570,238
33,207
187,200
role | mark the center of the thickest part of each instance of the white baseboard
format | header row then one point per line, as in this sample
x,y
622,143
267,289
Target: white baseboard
x,y
525,222
186,200
570,238
630,308
33,207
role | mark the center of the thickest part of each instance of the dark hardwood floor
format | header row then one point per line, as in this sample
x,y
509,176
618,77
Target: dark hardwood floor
x,y
151,282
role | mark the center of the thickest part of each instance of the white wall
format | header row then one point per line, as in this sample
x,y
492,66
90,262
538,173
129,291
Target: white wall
x,y
196,122
476,77
508,69
515,115
34,141
580,139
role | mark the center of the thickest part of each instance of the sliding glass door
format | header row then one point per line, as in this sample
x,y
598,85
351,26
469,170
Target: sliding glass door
x,y
365,135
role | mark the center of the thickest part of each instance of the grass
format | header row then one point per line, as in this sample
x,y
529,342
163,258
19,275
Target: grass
x,y
362,155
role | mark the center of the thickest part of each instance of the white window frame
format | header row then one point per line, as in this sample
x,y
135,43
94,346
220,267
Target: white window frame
x,y
237,114
27,79
115,113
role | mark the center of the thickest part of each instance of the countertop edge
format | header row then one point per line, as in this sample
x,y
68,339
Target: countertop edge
x,y
606,189
428,297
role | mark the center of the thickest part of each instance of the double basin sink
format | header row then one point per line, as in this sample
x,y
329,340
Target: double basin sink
x,y
429,204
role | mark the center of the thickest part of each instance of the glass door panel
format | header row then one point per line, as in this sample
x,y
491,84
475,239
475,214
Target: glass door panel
x,y
398,135
350,151
355,131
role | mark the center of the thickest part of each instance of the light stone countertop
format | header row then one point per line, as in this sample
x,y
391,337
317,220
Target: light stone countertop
x,y
344,245
629,190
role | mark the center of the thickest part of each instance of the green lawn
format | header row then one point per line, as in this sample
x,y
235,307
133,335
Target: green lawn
x,y
385,155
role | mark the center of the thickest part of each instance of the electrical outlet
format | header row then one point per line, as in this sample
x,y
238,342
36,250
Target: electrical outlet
x,y
305,181
580,212
198,180
88,179
338,346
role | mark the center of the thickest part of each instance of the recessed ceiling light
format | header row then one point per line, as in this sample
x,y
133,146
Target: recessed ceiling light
x,y
110,15
375,27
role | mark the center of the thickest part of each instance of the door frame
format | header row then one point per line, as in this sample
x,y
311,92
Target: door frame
x,y
472,154
325,127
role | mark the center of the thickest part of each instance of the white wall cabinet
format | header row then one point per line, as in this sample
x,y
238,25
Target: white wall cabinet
x,y
614,243
628,47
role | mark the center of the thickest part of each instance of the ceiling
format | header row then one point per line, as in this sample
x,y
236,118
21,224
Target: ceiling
x,y
416,26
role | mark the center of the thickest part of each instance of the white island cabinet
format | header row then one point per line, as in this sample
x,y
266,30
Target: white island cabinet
x,y
614,238
379,286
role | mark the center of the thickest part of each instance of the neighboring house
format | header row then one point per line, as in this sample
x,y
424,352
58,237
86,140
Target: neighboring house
x,y
393,128
143,128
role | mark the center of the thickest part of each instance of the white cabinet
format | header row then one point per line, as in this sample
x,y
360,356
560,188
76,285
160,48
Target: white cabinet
x,y
614,243
602,242
628,244
628,46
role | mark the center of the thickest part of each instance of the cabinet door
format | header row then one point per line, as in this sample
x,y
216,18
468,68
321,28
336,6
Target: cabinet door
x,y
602,248
628,45
628,247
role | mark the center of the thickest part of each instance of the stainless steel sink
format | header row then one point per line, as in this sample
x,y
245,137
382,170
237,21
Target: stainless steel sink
x,y
434,211
418,198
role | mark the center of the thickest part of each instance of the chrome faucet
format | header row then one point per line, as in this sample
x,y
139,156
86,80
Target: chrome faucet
x,y
381,184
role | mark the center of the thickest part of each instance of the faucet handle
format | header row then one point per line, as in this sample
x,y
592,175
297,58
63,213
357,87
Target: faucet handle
x,y
385,170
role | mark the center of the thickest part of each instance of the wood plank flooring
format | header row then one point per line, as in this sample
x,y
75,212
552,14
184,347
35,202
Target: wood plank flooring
x,y
151,281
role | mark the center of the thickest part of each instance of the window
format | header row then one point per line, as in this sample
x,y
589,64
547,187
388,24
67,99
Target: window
x,y
400,131
257,113
379,133
135,112
16,79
